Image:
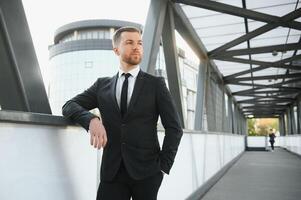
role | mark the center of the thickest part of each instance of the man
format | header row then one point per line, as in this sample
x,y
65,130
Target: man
x,y
130,104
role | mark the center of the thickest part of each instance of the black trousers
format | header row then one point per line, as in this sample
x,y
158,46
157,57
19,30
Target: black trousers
x,y
123,187
272,144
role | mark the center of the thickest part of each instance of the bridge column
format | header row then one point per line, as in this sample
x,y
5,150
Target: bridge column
x,y
200,96
231,117
281,125
299,114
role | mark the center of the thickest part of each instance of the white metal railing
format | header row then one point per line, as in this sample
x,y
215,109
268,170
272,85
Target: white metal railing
x,y
200,156
57,162
291,143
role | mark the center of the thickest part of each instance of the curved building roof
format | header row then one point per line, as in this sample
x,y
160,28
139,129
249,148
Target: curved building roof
x,y
88,24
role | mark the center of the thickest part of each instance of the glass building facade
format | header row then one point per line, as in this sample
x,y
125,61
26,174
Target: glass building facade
x,y
82,52
75,71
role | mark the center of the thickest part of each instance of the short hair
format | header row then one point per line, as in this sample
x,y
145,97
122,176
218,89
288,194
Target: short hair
x,y
117,33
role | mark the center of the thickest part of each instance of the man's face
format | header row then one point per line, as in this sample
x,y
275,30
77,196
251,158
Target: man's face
x,y
130,49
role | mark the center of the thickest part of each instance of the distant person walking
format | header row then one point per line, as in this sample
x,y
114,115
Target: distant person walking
x,y
272,138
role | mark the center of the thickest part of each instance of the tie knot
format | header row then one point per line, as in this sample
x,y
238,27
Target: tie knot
x,y
126,75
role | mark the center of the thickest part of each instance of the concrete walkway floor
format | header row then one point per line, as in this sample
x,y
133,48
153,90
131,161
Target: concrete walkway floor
x,y
260,176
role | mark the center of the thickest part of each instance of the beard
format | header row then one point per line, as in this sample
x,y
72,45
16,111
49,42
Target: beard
x,y
133,59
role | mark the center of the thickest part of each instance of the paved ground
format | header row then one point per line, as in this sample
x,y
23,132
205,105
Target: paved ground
x,y
260,176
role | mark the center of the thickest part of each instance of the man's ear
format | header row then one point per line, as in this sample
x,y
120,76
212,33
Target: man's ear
x,y
116,51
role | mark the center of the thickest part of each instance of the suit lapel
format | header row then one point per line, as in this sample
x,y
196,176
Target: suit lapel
x,y
137,89
113,92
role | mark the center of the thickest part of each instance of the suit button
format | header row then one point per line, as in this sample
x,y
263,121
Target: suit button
x,y
123,143
123,125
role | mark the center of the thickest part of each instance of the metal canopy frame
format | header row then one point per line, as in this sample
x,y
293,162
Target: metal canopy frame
x,y
21,82
286,84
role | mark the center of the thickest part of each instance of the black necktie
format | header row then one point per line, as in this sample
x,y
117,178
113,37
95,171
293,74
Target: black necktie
x,y
124,94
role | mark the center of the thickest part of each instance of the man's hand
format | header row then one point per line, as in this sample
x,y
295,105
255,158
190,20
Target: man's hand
x,y
98,133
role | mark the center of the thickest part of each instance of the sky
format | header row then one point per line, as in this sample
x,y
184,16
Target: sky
x,y
45,16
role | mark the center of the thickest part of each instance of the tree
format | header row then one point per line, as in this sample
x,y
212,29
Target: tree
x,y
262,126
251,127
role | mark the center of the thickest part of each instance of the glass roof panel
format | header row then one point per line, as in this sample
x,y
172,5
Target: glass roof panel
x,y
269,71
216,20
216,29
269,57
240,46
236,88
274,33
252,25
295,32
220,39
240,98
279,11
294,38
227,68
268,41
192,12
255,4
236,3
212,46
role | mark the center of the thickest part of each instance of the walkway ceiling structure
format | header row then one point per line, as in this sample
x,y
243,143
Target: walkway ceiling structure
x,y
255,45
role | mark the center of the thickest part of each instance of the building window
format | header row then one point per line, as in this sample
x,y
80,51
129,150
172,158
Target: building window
x,y
95,35
89,35
88,64
100,34
107,34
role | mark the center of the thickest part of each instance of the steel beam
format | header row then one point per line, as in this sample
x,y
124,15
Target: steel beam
x,y
268,107
235,119
280,126
289,121
298,102
172,63
266,116
260,86
152,34
240,12
277,64
21,83
263,106
268,100
261,112
188,33
263,29
185,29
259,50
244,61
235,80
200,96
273,91
230,112
294,130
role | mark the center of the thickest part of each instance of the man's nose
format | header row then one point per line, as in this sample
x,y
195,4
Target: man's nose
x,y
137,46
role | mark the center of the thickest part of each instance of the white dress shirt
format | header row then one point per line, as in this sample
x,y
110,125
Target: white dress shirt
x,y
131,83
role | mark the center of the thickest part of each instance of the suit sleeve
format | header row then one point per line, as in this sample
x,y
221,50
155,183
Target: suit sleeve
x,y
77,108
171,123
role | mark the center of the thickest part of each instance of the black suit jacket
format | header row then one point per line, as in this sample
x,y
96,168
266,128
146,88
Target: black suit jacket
x,y
132,138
